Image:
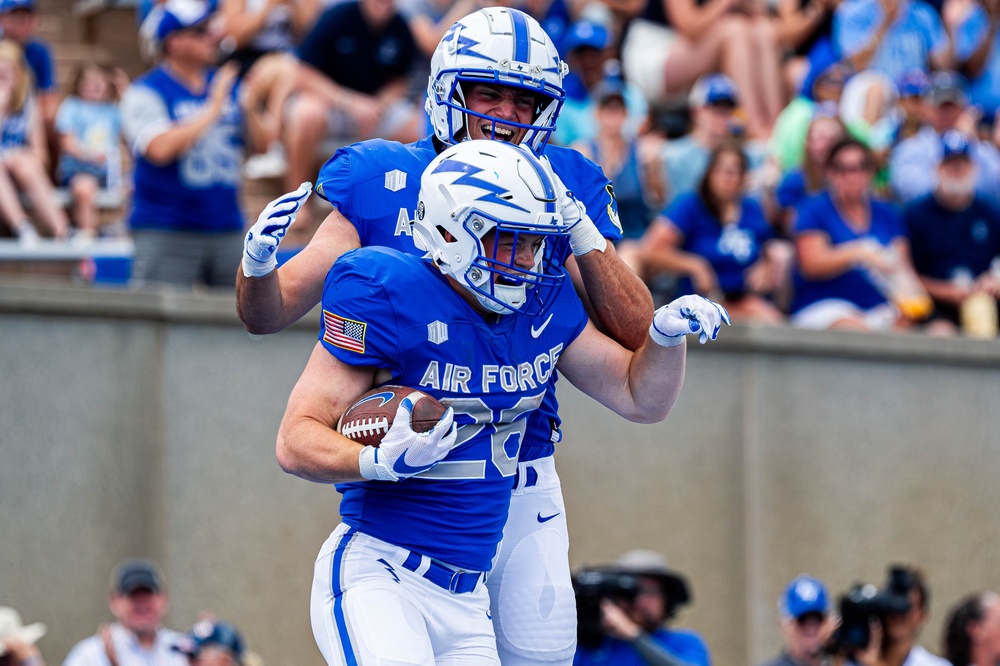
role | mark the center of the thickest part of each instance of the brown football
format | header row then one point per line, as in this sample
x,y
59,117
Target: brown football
x,y
370,417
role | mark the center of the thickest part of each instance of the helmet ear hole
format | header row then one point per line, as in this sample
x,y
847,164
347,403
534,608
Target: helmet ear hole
x,y
446,235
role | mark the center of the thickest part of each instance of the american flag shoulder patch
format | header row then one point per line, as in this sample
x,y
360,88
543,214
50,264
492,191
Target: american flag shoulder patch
x,y
344,333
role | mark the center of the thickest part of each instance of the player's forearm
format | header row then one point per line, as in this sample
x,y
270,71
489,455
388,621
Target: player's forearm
x,y
655,379
619,298
259,303
313,451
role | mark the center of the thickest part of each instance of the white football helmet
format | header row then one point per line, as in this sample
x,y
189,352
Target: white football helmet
x,y
477,187
495,45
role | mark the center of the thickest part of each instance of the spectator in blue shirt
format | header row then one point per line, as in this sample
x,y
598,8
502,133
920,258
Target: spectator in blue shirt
x,y
913,162
715,241
954,236
634,631
891,36
19,21
844,239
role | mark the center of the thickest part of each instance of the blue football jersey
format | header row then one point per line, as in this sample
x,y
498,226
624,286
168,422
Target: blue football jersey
x,y
386,309
199,190
375,185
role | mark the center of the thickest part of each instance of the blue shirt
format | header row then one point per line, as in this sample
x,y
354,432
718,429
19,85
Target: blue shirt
x,y
39,58
199,190
819,214
984,90
15,128
491,374
375,184
945,243
729,248
683,644
916,34
94,125
792,189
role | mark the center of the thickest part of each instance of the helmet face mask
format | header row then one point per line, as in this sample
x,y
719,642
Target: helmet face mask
x,y
480,202
499,46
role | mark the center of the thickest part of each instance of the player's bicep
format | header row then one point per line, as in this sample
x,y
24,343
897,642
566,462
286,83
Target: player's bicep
x,y
327,387
302,276
598,366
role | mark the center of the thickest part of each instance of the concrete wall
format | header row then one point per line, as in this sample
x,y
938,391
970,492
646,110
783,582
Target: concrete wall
x,y
144,424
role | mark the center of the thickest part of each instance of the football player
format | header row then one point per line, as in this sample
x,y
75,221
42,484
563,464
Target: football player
x,y
495,74
401,580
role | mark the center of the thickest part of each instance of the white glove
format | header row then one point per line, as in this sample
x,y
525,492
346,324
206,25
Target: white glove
x,y
404,452
686,315
262,240
584,235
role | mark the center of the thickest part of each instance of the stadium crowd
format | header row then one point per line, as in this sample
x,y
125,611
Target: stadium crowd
x,y
626,610
829,163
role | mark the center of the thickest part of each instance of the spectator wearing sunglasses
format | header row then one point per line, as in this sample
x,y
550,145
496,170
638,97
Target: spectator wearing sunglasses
x,y
806,623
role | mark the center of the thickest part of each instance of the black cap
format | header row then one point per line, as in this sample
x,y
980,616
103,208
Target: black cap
x,y
132,575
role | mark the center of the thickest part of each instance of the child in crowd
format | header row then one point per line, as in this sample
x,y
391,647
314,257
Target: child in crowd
x,y
89,131
23,152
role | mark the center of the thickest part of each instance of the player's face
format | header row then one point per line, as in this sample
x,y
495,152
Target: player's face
x,y
500,102
141,611
214,656
505,249
649,608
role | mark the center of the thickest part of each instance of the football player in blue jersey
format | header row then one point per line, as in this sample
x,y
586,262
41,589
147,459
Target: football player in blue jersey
x,y
401,580
495,75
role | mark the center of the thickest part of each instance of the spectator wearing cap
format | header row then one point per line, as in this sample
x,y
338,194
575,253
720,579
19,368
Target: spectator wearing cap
x,y
913,163
19,21
137,637
213,643
911,87
821,97
713,101
185,128
17,640
954,236
635,634
972,631
806,623
587,51
616,150
891,36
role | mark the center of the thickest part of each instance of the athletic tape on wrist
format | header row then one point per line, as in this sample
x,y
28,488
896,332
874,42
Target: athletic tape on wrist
x,y
370,469
663,339
255,268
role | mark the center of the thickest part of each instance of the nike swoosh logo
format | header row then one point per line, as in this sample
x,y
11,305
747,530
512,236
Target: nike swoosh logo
x,y
545,519
535,332
400,467
385,397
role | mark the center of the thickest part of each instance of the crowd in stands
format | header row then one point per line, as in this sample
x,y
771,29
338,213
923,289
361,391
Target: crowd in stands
x,y
828,163
627,617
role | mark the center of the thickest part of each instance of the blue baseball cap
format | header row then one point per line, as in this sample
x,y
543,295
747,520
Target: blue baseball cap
x,y
713,89
585,33
211,633
945,86
804,594
954,145
7,6
179,15
912,83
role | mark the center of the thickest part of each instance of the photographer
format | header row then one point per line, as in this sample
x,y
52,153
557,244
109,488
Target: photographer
x,y
880,627
622,610
806,623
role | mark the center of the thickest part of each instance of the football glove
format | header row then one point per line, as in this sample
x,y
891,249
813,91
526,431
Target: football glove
x,y
404,452
687,315
584,236
262,240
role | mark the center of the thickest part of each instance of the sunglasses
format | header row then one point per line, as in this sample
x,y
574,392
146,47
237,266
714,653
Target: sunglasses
x,y
860,167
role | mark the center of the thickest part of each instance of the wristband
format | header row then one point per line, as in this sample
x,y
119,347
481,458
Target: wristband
x,y
370,467
257,269
663,339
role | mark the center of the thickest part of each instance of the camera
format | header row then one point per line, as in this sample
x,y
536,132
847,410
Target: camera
x,y
590,587
864,603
